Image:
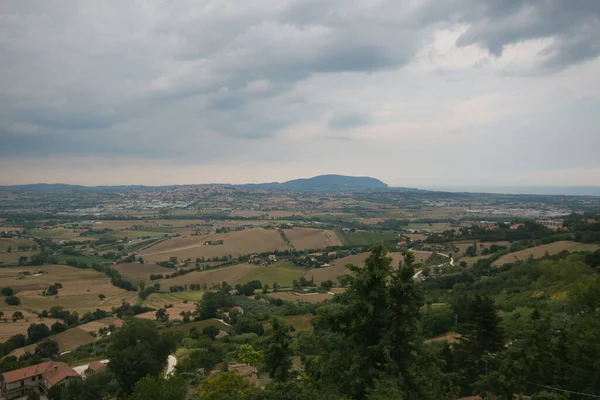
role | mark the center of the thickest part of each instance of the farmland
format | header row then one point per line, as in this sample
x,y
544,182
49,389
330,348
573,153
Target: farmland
x,y
366,238
307,298
5,243
80,291
10,328
281,272
141,272
230,274
338,267
13,256
67,340
308,238
540,251
237,243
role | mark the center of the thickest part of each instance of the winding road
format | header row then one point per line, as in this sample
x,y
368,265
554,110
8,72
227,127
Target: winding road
x,y
416,275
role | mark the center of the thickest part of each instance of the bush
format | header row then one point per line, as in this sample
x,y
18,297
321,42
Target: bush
x,y
7,291
12,300
437,322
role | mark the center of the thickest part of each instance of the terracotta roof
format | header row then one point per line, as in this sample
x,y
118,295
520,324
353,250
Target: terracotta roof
x,y
57,371
96,366
27,372
118,323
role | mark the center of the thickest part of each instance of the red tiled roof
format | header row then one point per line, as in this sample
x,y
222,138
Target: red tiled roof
x,y
96,366
27,372
52,371
57,371
118,323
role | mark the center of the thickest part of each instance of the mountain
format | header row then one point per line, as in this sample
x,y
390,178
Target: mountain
x,y
322,183
334,183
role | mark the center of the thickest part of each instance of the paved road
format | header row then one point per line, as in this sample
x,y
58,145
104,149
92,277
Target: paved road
x,y
416,275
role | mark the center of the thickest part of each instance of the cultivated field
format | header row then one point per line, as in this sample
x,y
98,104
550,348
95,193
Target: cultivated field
x,y
159,300
67,340
367,238
139,271
540,251
5,243
199,325
281,272
307,298
309,238
229,274
80,291
13,256
10,328
95,326
338,267
463,246
256,240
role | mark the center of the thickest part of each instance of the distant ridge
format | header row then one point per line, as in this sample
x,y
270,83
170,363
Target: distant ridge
x,y
321,183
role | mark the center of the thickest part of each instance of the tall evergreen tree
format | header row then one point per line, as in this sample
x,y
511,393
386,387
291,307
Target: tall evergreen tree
x,y
481,336
278,357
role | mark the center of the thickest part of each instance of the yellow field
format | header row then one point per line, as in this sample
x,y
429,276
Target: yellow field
x,y
95,326
338,267
10,328
540,251
307,298
80,291
67,340
159,300
309,238
255,240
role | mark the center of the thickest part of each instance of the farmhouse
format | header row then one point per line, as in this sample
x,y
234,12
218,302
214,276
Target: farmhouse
x,y
42,376
94,367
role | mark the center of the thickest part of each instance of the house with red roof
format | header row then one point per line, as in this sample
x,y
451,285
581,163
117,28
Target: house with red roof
x,y
20,382
94,367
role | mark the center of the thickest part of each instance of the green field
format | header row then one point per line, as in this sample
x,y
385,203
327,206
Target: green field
x,y
281,272
189,295
199,325
366,238
63,259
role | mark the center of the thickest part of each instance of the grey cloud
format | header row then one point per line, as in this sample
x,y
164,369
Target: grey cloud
x,y
574,26
348,121
173,78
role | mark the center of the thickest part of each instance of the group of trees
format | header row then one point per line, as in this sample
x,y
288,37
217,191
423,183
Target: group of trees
x,y
52,290
368,342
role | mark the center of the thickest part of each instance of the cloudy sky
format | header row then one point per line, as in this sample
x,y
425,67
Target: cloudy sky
x,y
415,92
